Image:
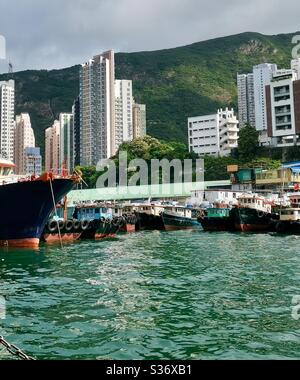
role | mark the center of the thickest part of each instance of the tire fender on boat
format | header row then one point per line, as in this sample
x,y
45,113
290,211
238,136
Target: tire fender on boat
x,y
52,226
69,225
85,224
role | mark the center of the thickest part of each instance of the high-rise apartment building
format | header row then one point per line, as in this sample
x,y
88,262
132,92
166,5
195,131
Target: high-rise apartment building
x,y
123,112
33,161
66,142
97,109
24,138
283,109
52,148
246,104
139,120
76,129
214,134
262,74
7,118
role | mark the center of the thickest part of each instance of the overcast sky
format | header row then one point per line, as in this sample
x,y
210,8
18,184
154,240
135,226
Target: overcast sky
x,y
61,33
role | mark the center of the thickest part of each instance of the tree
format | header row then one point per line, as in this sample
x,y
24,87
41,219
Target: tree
x,y
216,167
248,143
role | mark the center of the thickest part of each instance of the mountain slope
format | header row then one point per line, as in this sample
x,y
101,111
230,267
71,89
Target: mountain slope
x,y
175,83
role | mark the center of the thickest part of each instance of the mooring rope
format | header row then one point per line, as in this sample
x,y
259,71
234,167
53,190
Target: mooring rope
x,y
56,214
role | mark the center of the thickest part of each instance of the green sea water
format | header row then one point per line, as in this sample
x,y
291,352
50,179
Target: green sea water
x,y
155,295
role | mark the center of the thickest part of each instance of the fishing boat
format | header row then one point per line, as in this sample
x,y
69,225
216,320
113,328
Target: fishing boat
x,y
179,218
26,204
62,230
104,228
129,224
97,221
289,221
149,216
254,214
217,219
127,216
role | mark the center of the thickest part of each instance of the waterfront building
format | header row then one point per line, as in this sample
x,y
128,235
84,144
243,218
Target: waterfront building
x,y
7,118
24,138
262,76
52,149
283,109
262,178
139,120
97,109
123,112
66,142
76,131
33,161
215,134
246,104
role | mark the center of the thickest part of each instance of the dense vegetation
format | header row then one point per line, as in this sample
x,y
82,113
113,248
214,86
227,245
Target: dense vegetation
x,y
175,83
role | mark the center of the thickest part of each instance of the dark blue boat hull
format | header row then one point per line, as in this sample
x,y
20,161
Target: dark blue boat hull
x,y
25,208
175,223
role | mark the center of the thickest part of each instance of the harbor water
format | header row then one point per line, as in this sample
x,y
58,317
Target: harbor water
x,y
154,295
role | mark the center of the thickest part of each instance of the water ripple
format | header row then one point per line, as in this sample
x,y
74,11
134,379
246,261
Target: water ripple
x,y
155,295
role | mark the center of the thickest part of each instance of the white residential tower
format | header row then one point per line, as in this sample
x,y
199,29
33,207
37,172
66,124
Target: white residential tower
x,y
215,134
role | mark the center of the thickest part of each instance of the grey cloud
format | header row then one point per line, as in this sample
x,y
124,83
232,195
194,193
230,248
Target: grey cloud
x,y
60,33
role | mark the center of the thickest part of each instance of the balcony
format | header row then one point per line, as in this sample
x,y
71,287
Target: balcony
x,y
280,98
282,90
286,125
283,113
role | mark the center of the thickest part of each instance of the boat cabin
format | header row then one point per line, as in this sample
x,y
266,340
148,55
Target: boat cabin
x,y
90,212
295,200
255,202
290,214
120,210
179,211
150,209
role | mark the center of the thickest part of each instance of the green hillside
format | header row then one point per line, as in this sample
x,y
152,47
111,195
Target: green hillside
x,y
174,83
